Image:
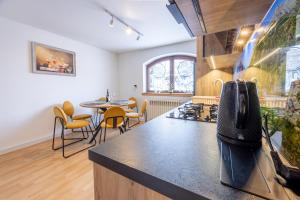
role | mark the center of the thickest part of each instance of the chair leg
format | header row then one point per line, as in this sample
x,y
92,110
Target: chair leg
x,y
53,139
146,116
63,142
104,134
83,133
121,130
134,123
97,130
124,126
100,135
72,154
62,136
127,122
87,132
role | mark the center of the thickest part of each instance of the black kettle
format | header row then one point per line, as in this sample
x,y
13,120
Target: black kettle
x,y
239,119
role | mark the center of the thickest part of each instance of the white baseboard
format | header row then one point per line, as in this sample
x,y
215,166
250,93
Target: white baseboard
x,y
24,144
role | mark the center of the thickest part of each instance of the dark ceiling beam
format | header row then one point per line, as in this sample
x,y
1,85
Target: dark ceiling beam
x,y
221,15
175,11
191,17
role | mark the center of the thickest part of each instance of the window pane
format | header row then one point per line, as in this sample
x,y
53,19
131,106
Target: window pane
x,y
159,76
183,75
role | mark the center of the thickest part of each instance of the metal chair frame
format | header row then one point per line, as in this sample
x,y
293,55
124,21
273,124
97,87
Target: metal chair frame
x,y
139,121
100,129
115,119
63,139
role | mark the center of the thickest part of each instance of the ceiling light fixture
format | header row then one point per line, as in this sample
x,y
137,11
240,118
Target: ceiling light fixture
x,y
267,56
244,32
240,42
128,29
111,23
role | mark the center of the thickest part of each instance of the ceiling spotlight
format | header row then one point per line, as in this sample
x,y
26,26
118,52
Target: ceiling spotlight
x,y
128,30
138,37
111,23
240,42
244,32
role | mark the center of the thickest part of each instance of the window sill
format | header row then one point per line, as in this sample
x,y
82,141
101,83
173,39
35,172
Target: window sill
x,y
167,94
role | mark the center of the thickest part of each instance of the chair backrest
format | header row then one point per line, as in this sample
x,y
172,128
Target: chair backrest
x,y
102,99
58,112
116,114
144,107
133,105
68,108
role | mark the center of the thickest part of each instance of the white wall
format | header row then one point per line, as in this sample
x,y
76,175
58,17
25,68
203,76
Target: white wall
x,y
131,65
26,98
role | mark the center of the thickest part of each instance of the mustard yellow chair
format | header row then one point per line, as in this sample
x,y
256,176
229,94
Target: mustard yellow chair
x,y
134,115
114,117
66,124
69,110
132,106
102,99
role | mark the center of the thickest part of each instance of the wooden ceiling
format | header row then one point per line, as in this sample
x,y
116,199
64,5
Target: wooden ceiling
x,y
223,61
221,15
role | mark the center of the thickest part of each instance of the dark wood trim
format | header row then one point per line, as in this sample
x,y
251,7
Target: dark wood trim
x,y
171,86
171,59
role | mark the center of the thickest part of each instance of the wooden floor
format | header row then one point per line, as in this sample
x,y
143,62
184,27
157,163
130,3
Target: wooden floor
x,y
37,172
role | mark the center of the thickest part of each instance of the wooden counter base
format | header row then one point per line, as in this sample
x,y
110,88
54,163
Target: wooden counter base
x,y
113,186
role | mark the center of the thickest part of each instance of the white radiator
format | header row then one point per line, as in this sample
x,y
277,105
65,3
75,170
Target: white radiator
x,y
210,100
273,102
269,101
160,105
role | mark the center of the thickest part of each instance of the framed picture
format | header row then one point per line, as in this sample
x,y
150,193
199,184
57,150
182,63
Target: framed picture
x,y
52,60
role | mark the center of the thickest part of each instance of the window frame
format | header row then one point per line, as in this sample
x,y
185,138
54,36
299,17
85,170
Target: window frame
x,y
171,85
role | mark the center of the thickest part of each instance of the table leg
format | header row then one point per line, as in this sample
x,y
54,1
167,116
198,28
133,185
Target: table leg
x,y
97,129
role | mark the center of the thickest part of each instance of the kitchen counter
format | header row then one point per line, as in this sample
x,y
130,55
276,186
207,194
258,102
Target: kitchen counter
x,y
177,158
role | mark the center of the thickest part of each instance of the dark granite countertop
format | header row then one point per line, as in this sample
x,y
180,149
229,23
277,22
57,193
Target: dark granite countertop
x,y
177,158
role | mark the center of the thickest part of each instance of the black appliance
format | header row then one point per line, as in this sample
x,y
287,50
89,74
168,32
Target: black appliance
x,y
239,120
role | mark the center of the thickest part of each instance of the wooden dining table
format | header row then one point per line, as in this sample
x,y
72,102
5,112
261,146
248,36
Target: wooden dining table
x,y
104,105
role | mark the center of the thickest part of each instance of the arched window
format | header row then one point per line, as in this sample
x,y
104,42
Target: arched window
x,y
171,74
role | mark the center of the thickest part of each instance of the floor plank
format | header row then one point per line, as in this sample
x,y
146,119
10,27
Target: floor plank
x,y
37,172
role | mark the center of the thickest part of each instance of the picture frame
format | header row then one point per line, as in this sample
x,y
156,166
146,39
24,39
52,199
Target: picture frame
x,y
52,60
